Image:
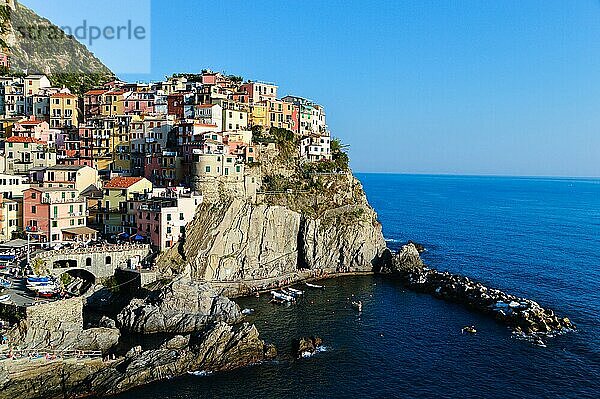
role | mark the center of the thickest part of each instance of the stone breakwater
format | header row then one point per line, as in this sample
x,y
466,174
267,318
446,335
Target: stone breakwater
x,y
524,316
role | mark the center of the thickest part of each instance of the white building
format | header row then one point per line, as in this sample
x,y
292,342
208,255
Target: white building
x,y
315,148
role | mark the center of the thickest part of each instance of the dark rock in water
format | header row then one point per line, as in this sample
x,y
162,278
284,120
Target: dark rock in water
x,y
270,351
306,346
521,314
418,246
406,260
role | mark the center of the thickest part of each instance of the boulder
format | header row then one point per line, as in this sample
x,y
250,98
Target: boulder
x,y
97,339
305,346
182,307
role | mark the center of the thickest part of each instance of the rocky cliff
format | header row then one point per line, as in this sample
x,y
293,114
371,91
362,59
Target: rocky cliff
x,y
279,235
36,44
218,347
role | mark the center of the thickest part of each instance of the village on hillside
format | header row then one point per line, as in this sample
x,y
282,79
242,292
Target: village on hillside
x,y
127,164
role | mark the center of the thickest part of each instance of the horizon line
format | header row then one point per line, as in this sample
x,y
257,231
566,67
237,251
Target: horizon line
x,y
441,174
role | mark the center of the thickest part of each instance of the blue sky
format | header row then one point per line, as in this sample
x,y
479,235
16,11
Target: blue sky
x,y
460,87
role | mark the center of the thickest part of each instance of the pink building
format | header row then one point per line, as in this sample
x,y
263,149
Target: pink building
x,y
163,214
55,214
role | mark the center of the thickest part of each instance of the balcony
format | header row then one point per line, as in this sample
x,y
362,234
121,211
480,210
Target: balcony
x,y
46,200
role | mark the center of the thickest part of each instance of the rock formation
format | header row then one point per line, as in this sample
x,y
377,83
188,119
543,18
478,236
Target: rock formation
x,y
306,346
181,307
523,315
219,347
237,240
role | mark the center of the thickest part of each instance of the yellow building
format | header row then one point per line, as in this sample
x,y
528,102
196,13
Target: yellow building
x,y
258,115
113,103
117,213
11,217
63,110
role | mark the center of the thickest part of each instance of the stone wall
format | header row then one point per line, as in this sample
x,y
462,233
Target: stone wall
x,y
101,266
67,311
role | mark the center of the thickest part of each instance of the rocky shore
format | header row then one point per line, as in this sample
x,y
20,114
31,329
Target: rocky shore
x,y
524,316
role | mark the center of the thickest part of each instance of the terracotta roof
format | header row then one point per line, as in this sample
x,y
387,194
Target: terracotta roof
x,y
206,105
19,139
122,182
95,92
63,95
30,122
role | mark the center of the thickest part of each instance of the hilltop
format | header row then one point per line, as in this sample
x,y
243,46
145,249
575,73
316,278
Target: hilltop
x,y
36,45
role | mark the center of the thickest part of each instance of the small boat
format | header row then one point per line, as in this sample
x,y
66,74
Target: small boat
x,y
469,329
37,279
4,298
47,294
358,305
295,291
5,283
247,311
291,292
42,287
282,296
200,373
314,285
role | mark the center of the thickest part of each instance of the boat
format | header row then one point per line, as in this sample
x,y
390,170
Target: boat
x,y
37,279
314,285
358,305
51,286
291,292
278,301
295,291
4,298
5,283
469,329
47,293
283,297
200,373
247,311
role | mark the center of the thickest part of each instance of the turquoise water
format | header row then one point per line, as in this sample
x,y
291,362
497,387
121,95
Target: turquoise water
x,y
538,238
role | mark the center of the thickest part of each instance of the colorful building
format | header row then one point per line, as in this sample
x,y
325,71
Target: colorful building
x,y
53,214
116,211
63,110
163,214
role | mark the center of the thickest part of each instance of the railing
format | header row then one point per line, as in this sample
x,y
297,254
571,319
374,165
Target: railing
x,y
37,354
88,250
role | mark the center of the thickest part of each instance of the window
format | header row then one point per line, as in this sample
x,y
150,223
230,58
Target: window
x,y
108,260
54,223
33,209
33,195
168,217
88,262
207,169
181,216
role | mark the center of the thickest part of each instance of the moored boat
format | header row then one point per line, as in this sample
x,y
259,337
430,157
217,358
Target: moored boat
x,y
5,298
282,296
5,283
314,285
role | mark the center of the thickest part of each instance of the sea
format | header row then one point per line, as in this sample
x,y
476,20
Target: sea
x,y
534,237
